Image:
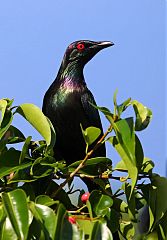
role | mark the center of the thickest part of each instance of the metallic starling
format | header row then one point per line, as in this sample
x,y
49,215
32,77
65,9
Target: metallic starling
x,y
67,103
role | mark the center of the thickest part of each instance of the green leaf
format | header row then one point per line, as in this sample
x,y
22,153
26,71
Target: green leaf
x,y
124,143
120,205
113,219
60,215
3,106
89,208
122,107
5,124
143,115
85,225
147,165
48,220
8,232
37,119
157,200
101,231
93,166
92,161
105,111
16,207
100,203
25,150
120,166
13,135
45,200
130,200
90,134
127,229
9,162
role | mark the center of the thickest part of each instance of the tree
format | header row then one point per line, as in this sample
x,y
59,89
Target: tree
x,y
27,214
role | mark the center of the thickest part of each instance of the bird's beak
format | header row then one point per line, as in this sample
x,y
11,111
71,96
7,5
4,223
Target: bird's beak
x,y
97,46
105,44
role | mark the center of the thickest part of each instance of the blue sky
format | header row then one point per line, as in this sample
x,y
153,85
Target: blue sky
x,y
35,34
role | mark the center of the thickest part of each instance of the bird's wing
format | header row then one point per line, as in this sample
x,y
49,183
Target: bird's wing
x,y
91,112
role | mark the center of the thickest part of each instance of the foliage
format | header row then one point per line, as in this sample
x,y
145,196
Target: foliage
x,y
34,206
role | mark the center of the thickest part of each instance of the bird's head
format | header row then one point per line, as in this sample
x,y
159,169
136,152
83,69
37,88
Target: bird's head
x,y
84,50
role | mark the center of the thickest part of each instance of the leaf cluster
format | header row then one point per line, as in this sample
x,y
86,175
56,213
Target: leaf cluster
x,y
33,205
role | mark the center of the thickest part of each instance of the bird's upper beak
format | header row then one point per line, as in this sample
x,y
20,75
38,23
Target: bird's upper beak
x,y
104,44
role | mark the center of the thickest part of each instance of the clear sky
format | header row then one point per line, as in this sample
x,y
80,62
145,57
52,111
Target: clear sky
x,y
35,34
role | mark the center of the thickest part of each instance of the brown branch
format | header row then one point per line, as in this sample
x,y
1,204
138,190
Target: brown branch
x,y
81,165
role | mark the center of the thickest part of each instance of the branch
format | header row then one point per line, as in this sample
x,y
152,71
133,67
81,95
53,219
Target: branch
x,y
81,165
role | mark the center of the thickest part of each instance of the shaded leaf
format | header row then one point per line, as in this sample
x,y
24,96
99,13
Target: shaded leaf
x,y
5,124
25,150
13,135
60,215
9,162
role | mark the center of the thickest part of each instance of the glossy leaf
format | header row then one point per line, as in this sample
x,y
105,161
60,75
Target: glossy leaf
x,y
48,220
15,204
101,231
7,232
45,200
143,115
90,134
38,120
100,203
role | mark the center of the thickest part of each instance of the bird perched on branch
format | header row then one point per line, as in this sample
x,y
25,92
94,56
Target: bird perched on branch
x,y
67,103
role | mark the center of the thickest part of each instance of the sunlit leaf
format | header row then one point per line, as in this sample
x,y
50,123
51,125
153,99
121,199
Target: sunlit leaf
x,y
124,143
143,115
38,120
90,134
3,105
16,207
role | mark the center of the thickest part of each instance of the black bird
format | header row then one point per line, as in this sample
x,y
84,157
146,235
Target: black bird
x,y
67,102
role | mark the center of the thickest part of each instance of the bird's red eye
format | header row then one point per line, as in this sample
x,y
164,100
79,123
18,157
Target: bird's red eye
x,y
80,46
